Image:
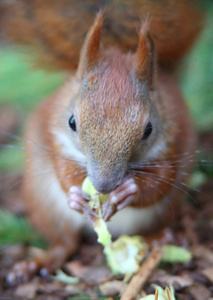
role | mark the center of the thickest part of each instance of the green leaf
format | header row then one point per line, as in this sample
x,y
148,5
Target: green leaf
x,y
17,230
62,277
175,254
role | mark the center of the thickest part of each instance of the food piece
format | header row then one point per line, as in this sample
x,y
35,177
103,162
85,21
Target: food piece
x,y
104,237
125,254
175,254
88,188
160,294
62,277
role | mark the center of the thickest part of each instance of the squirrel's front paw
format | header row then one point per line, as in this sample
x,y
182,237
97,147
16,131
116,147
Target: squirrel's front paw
x,y
77,200
22,272
121,197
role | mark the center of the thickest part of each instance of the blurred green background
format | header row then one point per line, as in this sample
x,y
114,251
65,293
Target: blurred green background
x,y
22,87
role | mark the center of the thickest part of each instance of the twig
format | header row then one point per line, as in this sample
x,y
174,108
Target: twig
x,y
139,279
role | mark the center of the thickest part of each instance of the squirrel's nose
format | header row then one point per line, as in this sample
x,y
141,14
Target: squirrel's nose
x,y
105,185
105,182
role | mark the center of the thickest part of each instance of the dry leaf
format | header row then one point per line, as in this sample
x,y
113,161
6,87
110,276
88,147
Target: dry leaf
x,y
199,292
27,290
203,252
208,273
176,281
88,273
112,288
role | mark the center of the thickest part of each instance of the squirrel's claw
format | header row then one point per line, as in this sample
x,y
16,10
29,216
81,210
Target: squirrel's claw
x,y
75,199
121,197
44,263
22,272
78,201
124,194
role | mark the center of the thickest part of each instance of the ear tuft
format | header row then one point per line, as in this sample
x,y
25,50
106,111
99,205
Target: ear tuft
x,y
145,56
90,49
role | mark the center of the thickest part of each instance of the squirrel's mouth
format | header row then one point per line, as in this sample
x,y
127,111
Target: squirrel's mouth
x,y
107,185
106,179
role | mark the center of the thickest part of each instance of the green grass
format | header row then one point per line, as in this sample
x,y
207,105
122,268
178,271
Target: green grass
x,y
17,230
197,78
22,85
22,88
12,158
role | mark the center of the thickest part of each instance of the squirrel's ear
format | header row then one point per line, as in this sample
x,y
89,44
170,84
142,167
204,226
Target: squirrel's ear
x,y
145,58
90,49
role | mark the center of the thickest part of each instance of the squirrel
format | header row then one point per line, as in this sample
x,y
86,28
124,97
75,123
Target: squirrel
x,y
119,119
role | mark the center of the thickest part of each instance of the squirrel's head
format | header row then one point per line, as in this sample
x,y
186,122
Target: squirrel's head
x,y
112,109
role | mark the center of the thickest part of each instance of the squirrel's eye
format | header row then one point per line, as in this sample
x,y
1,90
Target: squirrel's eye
x,y
148,131
72,123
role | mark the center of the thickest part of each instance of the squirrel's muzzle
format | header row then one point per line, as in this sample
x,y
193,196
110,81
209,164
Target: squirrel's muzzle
x,y
105,186
106,181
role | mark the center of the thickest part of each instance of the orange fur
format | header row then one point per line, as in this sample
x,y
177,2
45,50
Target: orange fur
x,y
90,50
113,96
145,56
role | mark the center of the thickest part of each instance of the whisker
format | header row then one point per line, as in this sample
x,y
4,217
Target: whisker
x,y
7,175
180,157
53,153
200,163
162,179
166,162
182,183
49,150
11,135
62,106
141,195
11,146
93,213
162,194
47,173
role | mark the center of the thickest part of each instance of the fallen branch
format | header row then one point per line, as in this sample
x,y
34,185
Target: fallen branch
x,y
139,279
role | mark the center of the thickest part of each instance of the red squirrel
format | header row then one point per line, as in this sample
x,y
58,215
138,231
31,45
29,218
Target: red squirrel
x,y
120,119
